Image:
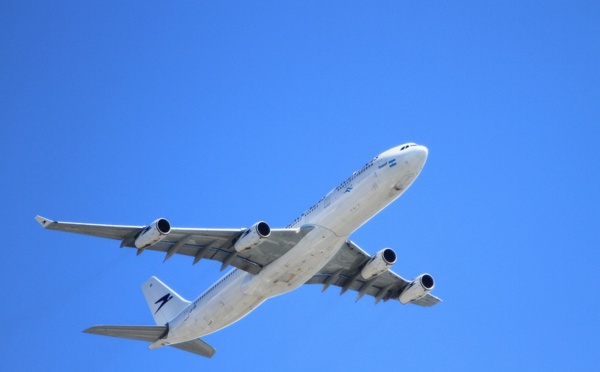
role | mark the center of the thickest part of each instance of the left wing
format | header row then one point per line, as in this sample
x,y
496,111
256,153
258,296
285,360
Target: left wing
x,y
212,244
343,270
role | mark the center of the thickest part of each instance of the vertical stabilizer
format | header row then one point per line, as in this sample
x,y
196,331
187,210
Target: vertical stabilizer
x,y
164,302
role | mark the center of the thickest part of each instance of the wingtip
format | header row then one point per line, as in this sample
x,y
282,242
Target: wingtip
x,y
94,330
43,221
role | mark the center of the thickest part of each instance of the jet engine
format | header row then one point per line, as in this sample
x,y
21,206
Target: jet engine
x,y
153,233
252,236
379,263
418,288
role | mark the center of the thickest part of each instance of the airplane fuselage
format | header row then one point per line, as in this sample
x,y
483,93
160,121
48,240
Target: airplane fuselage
x,y
334,217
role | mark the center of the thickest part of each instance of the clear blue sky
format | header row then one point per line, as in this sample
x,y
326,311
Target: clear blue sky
x,y
220,114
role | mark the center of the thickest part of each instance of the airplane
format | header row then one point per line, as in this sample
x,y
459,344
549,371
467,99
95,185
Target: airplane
x,y
267,262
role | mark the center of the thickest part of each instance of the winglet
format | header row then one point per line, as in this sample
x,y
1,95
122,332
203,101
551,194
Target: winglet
x,y
43,221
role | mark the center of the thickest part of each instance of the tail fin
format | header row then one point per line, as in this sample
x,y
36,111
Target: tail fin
x,y
164,302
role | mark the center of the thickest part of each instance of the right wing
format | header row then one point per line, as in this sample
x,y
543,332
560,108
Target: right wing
x,y
212,244
343,270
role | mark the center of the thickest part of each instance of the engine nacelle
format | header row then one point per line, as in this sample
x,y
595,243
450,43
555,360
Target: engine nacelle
x,y
379,263
153,233
253,236
417,288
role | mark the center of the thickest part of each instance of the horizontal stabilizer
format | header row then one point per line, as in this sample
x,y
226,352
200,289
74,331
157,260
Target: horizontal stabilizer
x,y
196,346
151,334
141,333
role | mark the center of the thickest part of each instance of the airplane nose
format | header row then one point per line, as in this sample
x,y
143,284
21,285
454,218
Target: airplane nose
x,y
418,156
422,153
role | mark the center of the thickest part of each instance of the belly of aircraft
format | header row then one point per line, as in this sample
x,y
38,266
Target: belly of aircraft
x,y
297,266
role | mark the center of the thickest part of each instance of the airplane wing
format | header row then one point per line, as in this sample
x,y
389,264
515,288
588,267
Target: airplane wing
x,y
212,244
343,270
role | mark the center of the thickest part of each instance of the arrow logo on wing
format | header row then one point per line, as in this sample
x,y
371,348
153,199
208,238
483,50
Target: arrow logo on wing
x,y
163,300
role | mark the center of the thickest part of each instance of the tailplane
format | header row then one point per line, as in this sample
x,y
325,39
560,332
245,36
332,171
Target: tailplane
x,y
164,302
151,334
141,333
196,346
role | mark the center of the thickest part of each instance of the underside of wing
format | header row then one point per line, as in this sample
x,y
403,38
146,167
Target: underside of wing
x,y
199,243
118,232
344,271
218,245
427,300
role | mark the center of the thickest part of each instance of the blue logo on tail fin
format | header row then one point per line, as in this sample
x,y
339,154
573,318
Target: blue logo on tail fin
x,y
164,299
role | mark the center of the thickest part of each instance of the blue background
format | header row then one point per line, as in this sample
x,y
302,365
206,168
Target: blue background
x,y
220,114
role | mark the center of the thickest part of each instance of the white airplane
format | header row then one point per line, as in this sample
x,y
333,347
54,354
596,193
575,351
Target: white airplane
x,y
313,249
